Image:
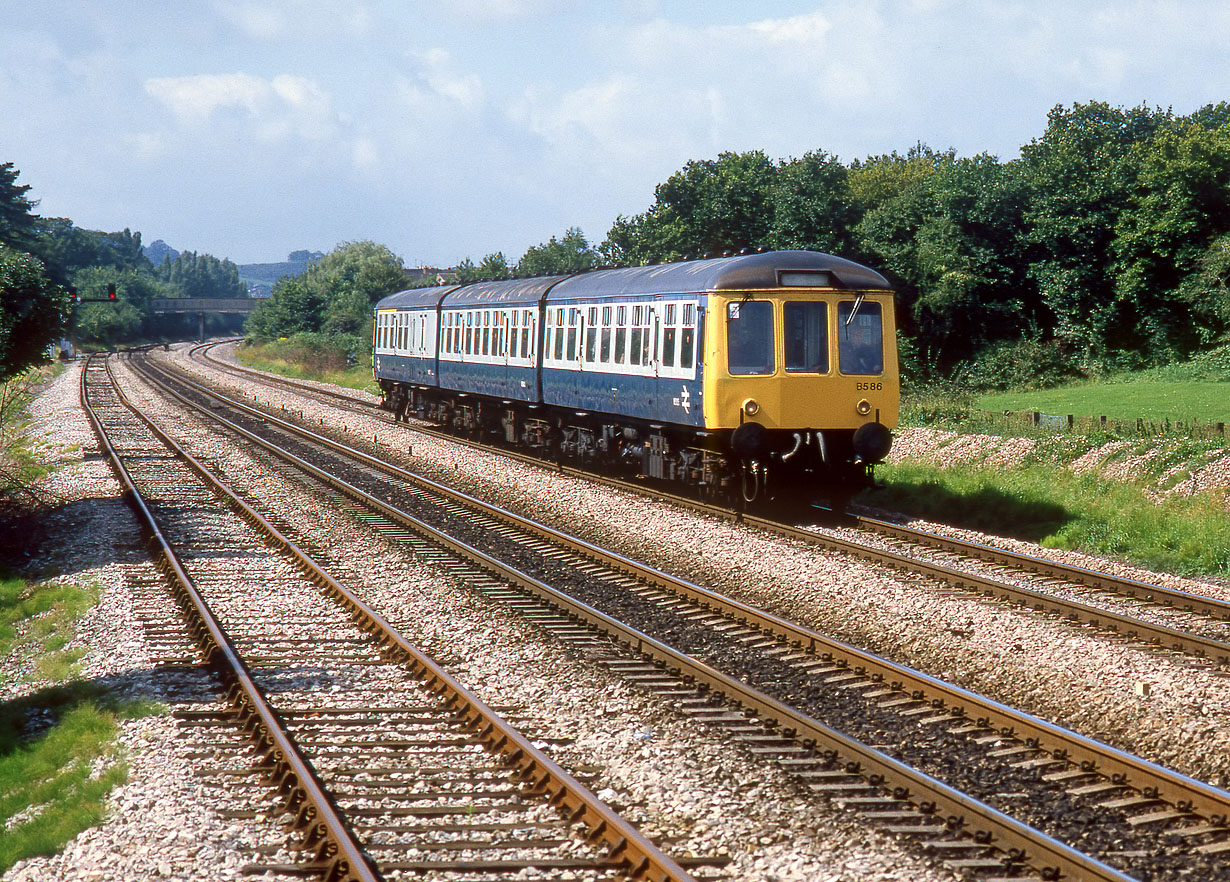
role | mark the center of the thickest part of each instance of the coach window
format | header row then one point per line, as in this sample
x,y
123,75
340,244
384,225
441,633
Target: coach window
x,y
558,351
469,333
621,334
860,337
574,320
669,333
606,335
749,337
591,335
687,337
634,333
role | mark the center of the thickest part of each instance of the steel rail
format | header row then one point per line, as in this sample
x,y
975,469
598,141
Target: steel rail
x,y
295,778
1070,572
1145,776
1176,639
1044,853
630,851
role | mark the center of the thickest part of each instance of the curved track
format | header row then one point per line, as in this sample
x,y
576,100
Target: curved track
x,y
1056,770
1188,623
375,751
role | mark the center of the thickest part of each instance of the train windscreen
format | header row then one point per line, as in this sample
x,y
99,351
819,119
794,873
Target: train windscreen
x,y
749,337
860,337
807,337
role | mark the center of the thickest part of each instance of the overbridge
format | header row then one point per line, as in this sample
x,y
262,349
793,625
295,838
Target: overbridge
x,y
203,306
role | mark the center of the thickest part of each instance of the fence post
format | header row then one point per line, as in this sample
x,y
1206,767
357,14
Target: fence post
x,y
1035,417
1070,422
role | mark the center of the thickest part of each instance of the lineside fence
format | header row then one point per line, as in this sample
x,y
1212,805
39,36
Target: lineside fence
x,y
1049,423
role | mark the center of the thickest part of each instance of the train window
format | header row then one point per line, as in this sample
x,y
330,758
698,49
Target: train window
x,y
749,337
621,315
668,345
634,352
606,345
670,314
689,315
591,343
574,316
559,338
621,339
687,347
860,338
486,341
638,315
606,316
525,336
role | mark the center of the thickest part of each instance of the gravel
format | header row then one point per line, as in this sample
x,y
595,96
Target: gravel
x,y
1072,675
673,777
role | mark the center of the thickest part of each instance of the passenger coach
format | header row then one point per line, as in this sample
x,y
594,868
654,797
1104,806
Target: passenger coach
x,y
754,372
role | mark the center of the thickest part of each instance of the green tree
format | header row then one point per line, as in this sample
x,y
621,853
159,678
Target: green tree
x,y
709,206
31,312
110,324
1179,206
1081,175
66,248
569,254
333,296
812,206
494,266
203,275
18,223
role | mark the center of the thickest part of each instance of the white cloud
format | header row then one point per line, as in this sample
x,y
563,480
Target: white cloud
x,y
435,87
292,19
284,107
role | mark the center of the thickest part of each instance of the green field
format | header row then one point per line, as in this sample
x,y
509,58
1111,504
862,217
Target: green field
x,y
1198,389
1147,399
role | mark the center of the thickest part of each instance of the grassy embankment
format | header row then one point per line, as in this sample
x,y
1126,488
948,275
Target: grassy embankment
x,y
294,358
59,753
1042,499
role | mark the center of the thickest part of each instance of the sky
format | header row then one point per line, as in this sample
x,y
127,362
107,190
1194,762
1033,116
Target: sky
x,y
448,129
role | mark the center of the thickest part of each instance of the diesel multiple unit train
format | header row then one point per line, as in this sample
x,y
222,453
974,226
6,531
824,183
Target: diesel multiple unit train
x,y
768,374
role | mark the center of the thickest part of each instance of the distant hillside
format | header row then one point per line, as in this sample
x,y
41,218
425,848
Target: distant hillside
x,y
267,273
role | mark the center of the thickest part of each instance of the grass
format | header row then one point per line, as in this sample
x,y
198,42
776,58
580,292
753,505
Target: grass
x,y
289,360
1152,400
54,785
1045,503
59,754
1197,389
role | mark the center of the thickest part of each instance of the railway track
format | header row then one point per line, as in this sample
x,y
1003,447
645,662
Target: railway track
x,y
1150,614
383,764
1004,764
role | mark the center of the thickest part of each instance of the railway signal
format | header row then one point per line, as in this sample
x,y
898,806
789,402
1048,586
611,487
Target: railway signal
x,y
75,296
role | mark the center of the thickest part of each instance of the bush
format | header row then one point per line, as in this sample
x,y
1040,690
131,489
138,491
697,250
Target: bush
x,y
1023,364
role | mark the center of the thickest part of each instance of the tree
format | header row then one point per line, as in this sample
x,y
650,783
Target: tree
x,y
17,218
334,295
812,205
31,312
203,275
66,248
1081,175
1179,206
570,254
709,206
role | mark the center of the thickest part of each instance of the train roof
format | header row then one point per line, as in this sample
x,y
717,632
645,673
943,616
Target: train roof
x,y
771,269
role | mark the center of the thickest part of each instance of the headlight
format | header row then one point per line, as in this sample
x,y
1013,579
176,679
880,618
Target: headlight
x,y
750,407
863,407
